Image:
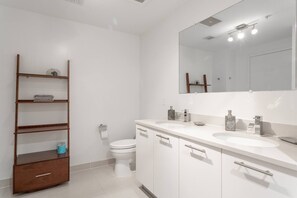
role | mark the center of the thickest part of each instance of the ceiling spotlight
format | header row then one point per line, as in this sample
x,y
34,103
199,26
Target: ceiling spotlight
x,y
240,35
230,38
254,30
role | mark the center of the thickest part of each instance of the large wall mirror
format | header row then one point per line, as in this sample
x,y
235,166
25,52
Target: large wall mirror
x,y
249,46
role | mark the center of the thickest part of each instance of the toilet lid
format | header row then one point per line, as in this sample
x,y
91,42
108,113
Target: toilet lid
x,y
123,144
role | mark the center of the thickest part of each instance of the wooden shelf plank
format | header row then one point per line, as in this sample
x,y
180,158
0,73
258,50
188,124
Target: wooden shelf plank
x,y
42,76
41,128
32,101
30,158
201,85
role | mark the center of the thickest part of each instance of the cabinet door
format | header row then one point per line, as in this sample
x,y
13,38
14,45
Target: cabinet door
x,y
200,170
165,166
246,177
144,157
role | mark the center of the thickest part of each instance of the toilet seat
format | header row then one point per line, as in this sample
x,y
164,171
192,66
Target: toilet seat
x,y
123,144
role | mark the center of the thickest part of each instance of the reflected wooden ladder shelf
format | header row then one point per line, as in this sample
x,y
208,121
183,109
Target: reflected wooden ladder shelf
x,y
204,85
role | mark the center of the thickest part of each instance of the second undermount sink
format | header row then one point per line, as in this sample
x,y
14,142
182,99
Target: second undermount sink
x,y
246,140
171,124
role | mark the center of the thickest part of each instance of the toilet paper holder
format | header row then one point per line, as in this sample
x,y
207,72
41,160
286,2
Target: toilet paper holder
x,y
103,131
102,127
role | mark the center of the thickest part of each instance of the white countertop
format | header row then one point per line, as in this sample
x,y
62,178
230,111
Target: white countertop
x,y
284,154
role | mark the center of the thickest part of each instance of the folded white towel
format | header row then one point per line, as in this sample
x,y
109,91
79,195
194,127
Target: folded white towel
x,y
43,98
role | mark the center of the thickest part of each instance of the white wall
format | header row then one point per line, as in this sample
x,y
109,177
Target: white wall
x,y
159,74
223,70
196,62
235,63
104,82
244,62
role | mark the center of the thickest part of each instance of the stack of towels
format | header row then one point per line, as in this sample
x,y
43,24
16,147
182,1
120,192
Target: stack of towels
x,y
43,98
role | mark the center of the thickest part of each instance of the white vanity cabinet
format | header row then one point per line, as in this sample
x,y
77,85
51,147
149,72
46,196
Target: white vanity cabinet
x,y
200,170
246,177
165,166
145,157
176,167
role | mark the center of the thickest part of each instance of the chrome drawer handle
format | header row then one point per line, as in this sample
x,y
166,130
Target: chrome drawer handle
x,y
253,168
43,175
162,137
141,130
193,148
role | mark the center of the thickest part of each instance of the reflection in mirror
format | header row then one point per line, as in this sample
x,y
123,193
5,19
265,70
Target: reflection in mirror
x,y
249,46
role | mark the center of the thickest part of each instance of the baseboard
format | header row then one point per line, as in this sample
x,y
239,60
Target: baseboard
x,y
90,165
7,182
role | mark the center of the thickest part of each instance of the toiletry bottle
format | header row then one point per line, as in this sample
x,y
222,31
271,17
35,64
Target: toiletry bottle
x,y
230,122
171,113
187,115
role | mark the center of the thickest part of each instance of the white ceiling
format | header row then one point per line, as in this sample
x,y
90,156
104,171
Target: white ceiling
x,y
121,15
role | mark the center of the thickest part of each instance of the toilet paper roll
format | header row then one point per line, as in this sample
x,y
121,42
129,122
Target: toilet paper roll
x,y
104,134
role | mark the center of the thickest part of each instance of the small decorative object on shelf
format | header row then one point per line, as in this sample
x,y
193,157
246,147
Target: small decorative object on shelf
x,y
53,72
43,98
61,148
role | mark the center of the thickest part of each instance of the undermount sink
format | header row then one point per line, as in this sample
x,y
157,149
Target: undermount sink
x,y
171,124
246,140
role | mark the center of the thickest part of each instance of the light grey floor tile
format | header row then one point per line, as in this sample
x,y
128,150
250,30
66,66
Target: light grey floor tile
x,y
93,183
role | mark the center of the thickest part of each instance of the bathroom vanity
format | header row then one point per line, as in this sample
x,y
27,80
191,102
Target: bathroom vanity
x,y
250,46
181,160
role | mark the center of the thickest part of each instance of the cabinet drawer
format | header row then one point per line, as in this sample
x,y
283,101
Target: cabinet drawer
x,y
40,175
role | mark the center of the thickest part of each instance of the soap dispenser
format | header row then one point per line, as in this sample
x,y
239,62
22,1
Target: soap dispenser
x,y
187,116
171,113
230,122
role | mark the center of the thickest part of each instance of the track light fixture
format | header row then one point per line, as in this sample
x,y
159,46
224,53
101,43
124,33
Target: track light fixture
x,y
240,31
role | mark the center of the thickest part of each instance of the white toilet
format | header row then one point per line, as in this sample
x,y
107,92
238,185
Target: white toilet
x,y
124,152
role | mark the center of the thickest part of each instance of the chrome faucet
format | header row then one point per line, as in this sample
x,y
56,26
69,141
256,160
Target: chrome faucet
x,y
187,116
258,125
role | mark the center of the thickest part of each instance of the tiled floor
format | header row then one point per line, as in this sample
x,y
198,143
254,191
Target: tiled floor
x,y
94,183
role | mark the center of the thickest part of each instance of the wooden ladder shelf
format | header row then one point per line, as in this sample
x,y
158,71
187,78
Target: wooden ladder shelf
x,y
40,170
